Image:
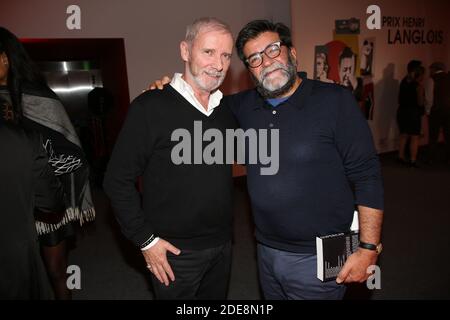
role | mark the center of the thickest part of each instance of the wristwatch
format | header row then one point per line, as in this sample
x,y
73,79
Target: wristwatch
x,y
370,246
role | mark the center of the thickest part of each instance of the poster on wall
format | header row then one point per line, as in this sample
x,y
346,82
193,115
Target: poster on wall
x,y
348,62
366,60
321,64
351,50
342,66
366,71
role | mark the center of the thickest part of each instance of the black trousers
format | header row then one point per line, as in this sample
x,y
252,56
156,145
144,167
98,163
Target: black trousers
x,y
199,275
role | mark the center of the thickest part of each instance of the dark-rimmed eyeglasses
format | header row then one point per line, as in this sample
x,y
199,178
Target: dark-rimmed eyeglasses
x,y
273,50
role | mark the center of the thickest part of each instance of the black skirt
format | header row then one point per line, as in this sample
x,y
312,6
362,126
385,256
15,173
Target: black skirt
x,y
409,120
53,238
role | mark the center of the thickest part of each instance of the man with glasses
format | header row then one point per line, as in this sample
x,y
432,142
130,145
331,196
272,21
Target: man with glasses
x,y
327,165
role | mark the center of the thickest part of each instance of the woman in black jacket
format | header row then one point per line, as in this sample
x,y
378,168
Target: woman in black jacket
x,y
31,104
27,184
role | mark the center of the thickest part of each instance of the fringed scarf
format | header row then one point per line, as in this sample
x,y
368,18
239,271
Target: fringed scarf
x,y
44,108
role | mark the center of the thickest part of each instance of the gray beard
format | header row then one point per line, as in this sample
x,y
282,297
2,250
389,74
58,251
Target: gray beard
x,y
267,94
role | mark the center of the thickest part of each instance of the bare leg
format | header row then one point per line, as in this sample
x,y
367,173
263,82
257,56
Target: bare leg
x,y
55,259
414,147
402,145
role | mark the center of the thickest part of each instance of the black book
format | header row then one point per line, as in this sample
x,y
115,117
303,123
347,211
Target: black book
x,y
332,252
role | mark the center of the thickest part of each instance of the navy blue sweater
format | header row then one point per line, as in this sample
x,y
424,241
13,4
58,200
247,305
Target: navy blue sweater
x,y
328,164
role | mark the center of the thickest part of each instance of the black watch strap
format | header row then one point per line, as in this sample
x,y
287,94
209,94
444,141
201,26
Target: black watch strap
x,y
368,246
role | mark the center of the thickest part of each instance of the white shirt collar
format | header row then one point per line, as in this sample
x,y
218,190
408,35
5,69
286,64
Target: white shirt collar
x,y
183,88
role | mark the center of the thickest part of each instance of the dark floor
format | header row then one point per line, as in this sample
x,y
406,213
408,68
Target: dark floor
x,y
414,263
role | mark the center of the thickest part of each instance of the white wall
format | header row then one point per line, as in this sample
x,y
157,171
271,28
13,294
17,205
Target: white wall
x,y
152,29
313,24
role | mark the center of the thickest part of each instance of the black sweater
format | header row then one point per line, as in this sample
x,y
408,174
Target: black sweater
x,y
189,205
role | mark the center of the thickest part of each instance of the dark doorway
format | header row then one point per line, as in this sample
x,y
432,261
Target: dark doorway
x,y
90,77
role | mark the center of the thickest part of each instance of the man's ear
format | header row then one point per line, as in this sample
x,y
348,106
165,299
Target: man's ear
x,y
294,54
184,50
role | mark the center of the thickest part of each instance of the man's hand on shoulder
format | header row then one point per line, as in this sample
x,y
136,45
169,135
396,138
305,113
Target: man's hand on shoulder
x,y
159,84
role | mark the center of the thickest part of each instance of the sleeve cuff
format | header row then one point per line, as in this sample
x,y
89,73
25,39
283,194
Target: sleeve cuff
x,y
149,243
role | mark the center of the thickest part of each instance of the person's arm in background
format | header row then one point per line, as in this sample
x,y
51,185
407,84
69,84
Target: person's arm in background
x,y
429,91
420,93
130,156
355,145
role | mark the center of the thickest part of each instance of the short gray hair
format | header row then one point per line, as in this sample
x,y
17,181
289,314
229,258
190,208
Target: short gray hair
x,y
205,24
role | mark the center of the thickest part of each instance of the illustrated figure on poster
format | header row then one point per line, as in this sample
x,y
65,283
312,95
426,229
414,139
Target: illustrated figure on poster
x,y
366,58
347,77
322,66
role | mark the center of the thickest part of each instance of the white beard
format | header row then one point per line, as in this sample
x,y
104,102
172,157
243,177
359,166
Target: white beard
x,y
213,83
273,82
